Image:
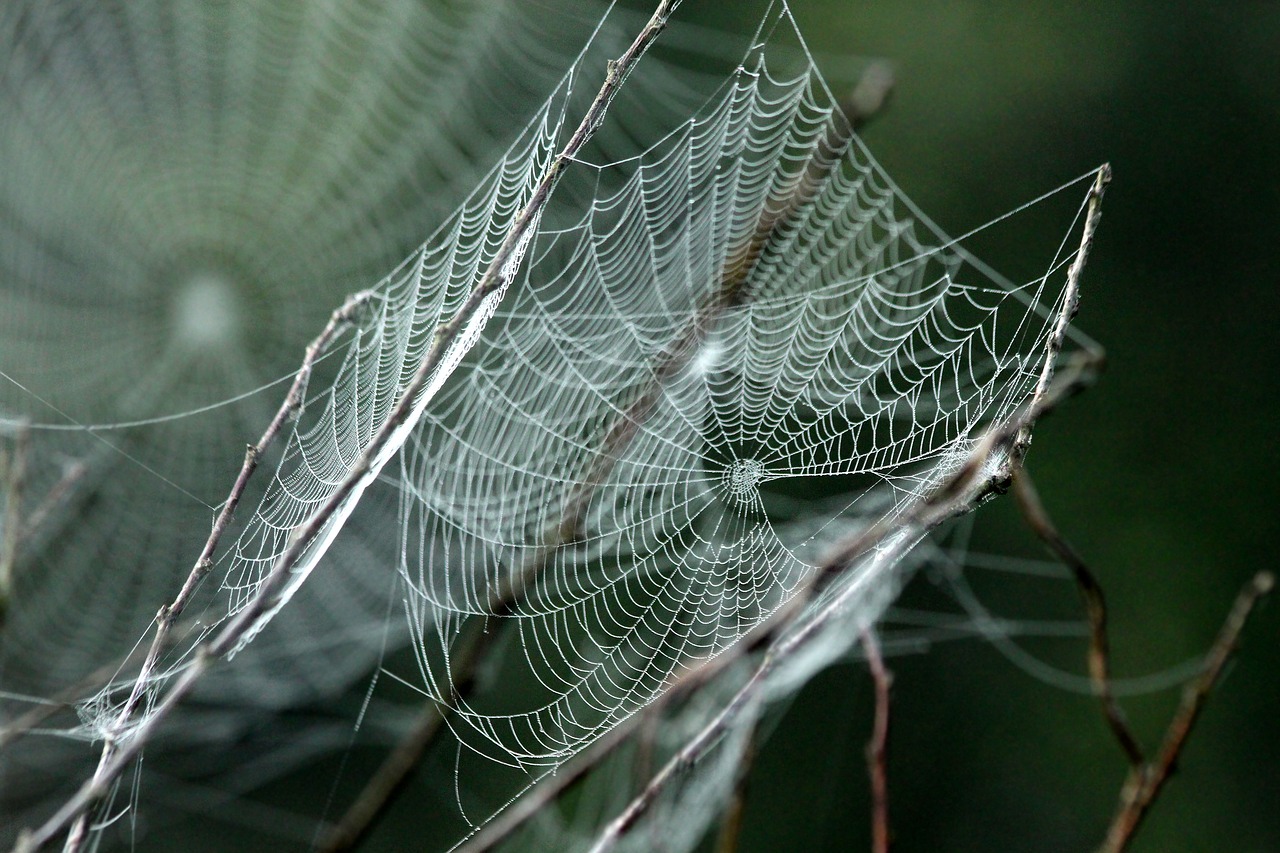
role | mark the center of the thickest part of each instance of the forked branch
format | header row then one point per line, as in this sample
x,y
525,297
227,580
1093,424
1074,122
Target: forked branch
x,y
1146,777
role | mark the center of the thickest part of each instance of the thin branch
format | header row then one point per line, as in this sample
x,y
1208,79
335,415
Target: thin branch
x,y
169,614
731,822
878,746
1099,656
13,479
116,755
1147,779
1070,301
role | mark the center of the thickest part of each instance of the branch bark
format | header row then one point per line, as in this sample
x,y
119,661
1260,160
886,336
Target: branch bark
x,y
1147,779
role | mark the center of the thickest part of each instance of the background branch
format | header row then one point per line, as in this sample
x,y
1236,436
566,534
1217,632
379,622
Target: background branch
x,y
1146,779
878,746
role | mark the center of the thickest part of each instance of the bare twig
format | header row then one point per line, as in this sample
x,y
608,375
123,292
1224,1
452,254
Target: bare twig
x,y
117,755
170,613
13,479
878,746
1147,779
1070,301
731,822
1095,607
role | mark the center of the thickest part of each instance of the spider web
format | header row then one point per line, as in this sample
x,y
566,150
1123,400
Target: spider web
x,y
742,312
605,468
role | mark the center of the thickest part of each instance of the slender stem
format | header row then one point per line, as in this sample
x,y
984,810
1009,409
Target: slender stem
x,y
170,613
878,746
731,822
116,754
1070,298
1099,657
1146,779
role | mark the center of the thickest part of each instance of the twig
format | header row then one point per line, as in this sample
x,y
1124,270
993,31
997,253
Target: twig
x,y
1070,301
1147,779
1099,656
878,746
116,756
66,698
13,479
731,822
169,614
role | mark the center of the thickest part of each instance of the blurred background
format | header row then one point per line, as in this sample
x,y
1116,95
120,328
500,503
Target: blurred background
x,y
1158,474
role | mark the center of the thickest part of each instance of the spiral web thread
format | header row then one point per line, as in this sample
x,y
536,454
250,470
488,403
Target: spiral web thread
x,y
747,312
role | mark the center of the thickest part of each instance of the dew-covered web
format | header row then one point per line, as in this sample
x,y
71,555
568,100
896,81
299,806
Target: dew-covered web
x,y
712,360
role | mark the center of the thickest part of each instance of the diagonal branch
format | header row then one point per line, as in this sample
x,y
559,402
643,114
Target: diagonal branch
x,y
118,754
1147,779
878,746
1095,607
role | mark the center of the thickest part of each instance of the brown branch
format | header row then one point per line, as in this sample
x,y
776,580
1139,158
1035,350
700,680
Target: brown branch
x,y
1099,657
1147,779
731,822
13,479
117,756
878,746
